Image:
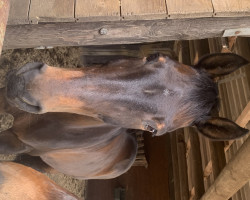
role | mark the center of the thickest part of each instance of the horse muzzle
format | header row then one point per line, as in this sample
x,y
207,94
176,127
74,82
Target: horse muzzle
x,y
17,92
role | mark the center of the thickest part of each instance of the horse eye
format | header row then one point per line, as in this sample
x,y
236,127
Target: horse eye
x,y
150,129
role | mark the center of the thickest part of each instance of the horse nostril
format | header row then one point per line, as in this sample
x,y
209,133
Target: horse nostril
x,y
29,67
150,129
15,85
43,67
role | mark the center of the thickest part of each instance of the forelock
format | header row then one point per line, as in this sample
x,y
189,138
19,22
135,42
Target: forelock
x,y
201,99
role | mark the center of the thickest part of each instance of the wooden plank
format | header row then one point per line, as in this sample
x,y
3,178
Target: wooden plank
x,y
175,162
143,9
217,148
208,170
241,192
241,102
235,175
242,121
244,117
4,13
181,151
222,111
236,196
194,8
235,96
181,48
217,157
19,12
191,52
203,153
231,104
215,45
96,10
247,186
201,48
171,178
51,11
195,164
228,8
118,32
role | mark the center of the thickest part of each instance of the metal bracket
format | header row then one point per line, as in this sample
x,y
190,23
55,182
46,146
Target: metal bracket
x,y
236,32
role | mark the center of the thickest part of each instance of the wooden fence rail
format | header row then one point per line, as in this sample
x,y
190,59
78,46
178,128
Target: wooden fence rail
x,y
234,176
118,32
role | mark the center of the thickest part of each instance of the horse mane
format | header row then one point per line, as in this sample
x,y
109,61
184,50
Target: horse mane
x,y
202,99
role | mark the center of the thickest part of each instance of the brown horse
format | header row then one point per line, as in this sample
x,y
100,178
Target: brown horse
x,y
21,182
156,94
76,145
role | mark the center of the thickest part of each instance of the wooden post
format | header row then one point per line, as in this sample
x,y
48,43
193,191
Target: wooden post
x,y
234,176
4,13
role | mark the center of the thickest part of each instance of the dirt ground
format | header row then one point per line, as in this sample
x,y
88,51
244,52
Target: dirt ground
x,y
61,57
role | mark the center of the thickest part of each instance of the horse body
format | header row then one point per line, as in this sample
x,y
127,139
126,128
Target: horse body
x,y
18,181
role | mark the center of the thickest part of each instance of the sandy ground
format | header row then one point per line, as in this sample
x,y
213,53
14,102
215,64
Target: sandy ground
x,y
61,57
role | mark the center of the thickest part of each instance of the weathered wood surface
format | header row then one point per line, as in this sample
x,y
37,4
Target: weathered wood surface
x,y
140,157
175,163
4,13
19,12
237,86
124,32
106,10
235,94
194,8
179,177
212,153
194,164
235,175
181,152
244,117
231,7
51,11
96,10
143,9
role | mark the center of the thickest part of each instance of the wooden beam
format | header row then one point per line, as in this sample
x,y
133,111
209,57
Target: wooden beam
x,y
118,32
4,13
242,120
234,176
244,117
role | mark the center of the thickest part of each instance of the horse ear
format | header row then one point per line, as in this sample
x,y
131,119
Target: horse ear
x,y
218,128
220,64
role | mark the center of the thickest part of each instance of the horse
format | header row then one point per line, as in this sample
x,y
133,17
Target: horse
x,y
19,181
72,144
156,94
